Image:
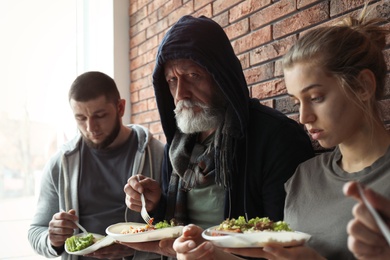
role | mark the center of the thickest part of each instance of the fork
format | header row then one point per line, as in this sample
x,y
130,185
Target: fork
x,y
144,213
379,221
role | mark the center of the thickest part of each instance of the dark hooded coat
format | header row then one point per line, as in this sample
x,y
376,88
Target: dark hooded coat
x,y
268,145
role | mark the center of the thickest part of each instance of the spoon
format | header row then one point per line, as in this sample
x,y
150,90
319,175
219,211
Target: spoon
x,y
78,224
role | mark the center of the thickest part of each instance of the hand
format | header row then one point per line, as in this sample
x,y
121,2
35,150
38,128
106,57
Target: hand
x,y
276,252
61,227
190,245
162,247
365,240
149,187
114,251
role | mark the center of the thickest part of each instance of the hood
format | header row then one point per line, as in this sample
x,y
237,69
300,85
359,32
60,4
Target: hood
x,y
203,41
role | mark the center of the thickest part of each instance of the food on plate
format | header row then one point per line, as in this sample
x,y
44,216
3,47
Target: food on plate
x,y
148,227
77,243
240,225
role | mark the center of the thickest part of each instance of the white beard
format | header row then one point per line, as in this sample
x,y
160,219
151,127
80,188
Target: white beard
x,y
190,122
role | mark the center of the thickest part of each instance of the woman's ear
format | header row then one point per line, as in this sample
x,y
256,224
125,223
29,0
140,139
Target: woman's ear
x,y
368,84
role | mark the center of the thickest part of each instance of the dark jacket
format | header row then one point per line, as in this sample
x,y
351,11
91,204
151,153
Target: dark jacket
x,y
268,145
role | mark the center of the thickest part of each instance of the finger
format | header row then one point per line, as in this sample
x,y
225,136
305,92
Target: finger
x,y
203,251
362,250
364,233
351,189
192,230
183,246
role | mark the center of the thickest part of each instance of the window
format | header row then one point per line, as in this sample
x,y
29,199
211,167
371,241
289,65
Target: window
x,y
45,45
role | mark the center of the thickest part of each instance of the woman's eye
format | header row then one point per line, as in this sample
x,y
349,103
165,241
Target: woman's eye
x,y
317,99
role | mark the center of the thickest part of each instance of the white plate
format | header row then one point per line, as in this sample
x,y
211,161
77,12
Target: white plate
x,y
115,230
256,239
101,242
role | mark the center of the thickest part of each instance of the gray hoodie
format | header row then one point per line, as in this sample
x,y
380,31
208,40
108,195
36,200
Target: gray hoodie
x,y
60,181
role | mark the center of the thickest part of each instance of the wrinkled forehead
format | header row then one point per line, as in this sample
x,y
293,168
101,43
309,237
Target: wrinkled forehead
x,y
181,65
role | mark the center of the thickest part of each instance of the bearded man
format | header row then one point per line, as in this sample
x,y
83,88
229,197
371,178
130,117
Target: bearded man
x,y
86,177
226,155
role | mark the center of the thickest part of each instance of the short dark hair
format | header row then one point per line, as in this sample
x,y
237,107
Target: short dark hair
x,y
93,84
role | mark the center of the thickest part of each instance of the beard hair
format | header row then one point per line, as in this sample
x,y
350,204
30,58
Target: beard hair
x,y
190,122
109,139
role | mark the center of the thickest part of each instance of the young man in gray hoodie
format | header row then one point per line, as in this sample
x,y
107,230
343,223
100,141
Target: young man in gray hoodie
x,y
85,178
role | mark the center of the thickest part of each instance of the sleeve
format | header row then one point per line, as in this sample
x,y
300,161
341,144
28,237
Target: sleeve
x,y
47,206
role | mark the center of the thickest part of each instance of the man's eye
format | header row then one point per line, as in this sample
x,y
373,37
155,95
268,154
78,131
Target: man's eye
x,y
100,115
193,75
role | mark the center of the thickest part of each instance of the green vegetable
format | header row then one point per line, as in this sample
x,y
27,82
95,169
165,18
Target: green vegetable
x,y
162,224
255,224
77,243
165,224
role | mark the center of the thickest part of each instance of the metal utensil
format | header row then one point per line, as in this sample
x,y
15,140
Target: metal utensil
x,y
144,213
379,221
78,224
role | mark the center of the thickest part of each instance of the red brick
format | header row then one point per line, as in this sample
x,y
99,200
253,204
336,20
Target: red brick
x,y
268,89
152,104
268,103
140,14
338,7
259,52
272,13
222,5
278,68
245,8
237,29
155,5
252,40
141,84
142,72
139,107
133,52
168,8
159,26
147,92
180,11
271,50
244,59
143,59
205,10
148,45
155,128
260,73
222,19
198,4
146,117
301,20
134,97
303,3
138,38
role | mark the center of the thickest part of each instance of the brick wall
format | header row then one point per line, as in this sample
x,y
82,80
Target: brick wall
x,y
261,31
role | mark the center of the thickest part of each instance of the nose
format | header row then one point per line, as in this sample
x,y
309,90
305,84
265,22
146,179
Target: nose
x,y
182,90
306,114
91,125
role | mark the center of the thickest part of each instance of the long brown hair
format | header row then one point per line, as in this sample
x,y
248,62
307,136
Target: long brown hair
x,y
343,51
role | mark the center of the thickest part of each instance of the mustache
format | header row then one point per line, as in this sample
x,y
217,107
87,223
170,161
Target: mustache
x,y
185,104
